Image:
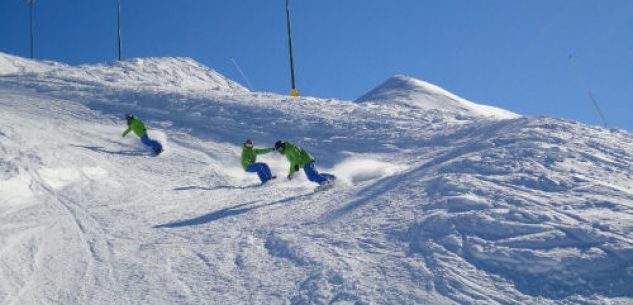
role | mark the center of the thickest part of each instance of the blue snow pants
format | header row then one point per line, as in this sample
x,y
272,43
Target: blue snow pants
x,y
314,176
156,147
262,170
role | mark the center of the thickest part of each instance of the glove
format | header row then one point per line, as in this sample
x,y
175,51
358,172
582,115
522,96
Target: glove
x,y
289,177
296,168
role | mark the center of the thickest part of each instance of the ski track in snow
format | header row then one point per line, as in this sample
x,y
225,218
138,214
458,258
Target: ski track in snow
x,y
432,206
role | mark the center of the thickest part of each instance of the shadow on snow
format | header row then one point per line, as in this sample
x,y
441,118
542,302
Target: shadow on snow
x,y
213,216
227,212
219,187
100,149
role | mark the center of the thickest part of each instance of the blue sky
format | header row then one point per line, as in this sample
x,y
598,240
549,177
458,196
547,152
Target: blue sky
x,y
511,54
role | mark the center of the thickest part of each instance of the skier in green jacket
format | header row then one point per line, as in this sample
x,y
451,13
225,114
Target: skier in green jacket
x,y
250,164
137,126
299,158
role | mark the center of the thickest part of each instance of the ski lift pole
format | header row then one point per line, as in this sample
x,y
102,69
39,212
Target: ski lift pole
x,y
31,3
586,85
118,25
293,91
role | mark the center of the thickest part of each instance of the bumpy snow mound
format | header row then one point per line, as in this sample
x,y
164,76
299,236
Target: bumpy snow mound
x,y
532,201
415,93
10,64
150,73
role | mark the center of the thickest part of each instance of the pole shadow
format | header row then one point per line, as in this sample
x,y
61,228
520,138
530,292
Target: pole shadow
x,y
101,149
213,216
218,187
228,212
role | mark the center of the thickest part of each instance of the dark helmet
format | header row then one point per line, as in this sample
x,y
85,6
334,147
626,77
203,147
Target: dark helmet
x,y
248,143
280,146
128,116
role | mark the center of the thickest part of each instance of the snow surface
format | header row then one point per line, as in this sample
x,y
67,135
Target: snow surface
x,y
436,205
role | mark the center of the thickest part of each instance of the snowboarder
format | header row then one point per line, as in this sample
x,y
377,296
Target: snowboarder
x,y
298,158
134,124
249,158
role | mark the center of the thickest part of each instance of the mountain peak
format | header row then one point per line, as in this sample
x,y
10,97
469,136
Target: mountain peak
x,y
411,92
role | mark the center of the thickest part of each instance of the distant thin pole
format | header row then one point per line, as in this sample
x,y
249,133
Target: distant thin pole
x,y
584,82
248,83
294,91
118,24
31,3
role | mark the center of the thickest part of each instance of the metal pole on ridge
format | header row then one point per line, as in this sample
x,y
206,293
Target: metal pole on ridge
x,y
31,3
293,91
239,69
118,24
586,85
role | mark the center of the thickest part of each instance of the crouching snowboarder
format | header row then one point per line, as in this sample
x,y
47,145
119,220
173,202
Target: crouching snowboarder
x,y
299,158
250,164
134,124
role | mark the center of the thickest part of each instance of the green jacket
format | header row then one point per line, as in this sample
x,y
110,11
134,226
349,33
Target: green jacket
x,y
297,157
137,126
249,155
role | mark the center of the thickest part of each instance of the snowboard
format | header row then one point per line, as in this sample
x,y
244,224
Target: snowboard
x,y
268,181
325,186
158,152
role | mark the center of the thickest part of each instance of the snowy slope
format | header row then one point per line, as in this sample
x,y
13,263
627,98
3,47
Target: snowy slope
x,y
433,207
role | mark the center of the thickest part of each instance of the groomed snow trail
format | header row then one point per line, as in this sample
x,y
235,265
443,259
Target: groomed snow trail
x,y
474,205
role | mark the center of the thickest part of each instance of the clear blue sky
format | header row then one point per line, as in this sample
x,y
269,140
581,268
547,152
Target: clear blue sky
x,y
511,54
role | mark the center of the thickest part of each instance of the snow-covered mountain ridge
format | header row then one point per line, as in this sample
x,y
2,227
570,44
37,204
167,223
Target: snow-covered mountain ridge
x,y
171,73
13,65
433,207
